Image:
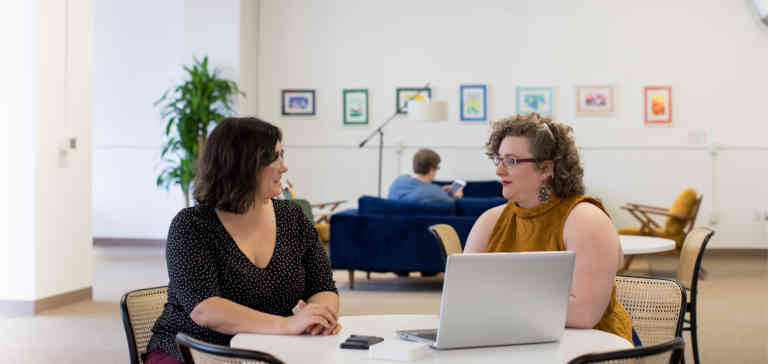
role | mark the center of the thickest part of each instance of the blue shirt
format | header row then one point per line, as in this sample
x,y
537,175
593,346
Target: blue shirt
x,y
407,188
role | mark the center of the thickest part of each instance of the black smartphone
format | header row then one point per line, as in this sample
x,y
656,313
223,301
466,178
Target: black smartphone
x,y
361,342
355,345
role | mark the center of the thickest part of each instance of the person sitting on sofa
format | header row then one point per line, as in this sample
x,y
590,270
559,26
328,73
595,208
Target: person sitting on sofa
x,y
419,187
541,174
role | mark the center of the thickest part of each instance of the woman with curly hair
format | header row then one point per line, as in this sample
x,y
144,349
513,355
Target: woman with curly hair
x,y
541,174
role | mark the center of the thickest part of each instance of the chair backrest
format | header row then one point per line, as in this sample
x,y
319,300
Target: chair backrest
x,y
306,208
447,238
194,351
140,309
656,306
667,352
691,254
687,205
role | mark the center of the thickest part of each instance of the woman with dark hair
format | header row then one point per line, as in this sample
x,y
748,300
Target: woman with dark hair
x,y
241,261
541,174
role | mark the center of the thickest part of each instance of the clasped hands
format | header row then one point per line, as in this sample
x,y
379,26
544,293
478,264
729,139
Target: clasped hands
x,y
313,319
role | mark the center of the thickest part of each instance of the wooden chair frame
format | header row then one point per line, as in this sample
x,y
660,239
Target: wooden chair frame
x,y
676,346
330,205
136,349
693,282
642,212
187,343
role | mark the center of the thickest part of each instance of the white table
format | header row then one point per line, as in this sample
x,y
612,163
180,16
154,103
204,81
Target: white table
x,y
639,244
325,349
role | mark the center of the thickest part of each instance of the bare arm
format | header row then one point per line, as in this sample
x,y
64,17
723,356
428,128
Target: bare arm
x,y
327,298
477,241
590,234
231,318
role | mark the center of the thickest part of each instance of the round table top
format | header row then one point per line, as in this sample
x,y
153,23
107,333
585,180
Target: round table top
x,y
325,349
639,244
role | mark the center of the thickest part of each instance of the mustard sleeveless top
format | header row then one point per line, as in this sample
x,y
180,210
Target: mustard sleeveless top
x,y
541,229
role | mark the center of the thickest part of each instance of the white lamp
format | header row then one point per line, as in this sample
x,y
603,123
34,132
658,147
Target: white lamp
x,y
762,9
427,110
418,109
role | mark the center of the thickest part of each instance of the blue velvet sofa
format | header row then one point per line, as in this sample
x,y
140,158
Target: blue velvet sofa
x,y
384,235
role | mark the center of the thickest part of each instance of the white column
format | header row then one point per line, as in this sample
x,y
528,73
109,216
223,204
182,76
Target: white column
x,y
249,57
46,228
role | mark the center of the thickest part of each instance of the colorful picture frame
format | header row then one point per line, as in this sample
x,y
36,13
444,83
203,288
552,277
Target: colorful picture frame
x,y
536,99
405,94
355,106
298,102
474,105
658,105
595,100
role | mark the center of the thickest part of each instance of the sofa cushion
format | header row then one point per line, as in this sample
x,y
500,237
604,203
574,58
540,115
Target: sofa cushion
x,y
381,206
478,189
470,206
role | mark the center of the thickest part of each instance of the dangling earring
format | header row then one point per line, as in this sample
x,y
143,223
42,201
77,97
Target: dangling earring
x,y
543,194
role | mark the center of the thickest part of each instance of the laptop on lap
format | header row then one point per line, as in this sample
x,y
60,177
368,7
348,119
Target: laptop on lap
x,y
492,299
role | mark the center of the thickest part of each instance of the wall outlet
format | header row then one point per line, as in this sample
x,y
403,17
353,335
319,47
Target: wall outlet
x,y
714,218
399,146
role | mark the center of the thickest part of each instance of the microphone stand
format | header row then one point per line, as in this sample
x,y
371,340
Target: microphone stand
x,y
380,131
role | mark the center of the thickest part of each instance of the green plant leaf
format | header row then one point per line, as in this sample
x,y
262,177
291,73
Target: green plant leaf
x,y
189,108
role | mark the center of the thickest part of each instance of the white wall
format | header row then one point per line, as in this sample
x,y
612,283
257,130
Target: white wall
x,y
138,54
63,180
18,114
47,219
712,53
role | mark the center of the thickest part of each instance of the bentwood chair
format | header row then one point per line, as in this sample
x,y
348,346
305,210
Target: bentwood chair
x,y
688,275
140,309
194,351
655,305
672,349
447,239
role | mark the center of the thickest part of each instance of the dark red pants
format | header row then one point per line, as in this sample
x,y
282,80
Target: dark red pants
x,y
159,356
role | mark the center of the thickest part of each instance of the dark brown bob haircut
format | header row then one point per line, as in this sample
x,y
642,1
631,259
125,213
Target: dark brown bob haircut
x,y
424,160
548,140
235,153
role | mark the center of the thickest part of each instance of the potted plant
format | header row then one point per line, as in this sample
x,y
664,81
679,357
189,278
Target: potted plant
x,y
192,109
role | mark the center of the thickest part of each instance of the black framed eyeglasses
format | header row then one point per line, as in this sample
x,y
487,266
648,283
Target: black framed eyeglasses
x,y
510,162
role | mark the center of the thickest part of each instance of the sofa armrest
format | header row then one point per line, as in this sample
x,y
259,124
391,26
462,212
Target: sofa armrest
x,y
390,243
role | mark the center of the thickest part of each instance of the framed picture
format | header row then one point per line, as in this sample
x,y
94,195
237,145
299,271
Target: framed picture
x,y
473,102
595,100
298,102
536,99
355,106
658,105
405,94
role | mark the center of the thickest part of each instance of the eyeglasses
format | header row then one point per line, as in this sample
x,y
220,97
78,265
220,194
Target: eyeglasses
x,y
280,157
510,162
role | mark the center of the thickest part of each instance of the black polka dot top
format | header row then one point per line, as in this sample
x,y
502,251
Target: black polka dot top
x,y
204,261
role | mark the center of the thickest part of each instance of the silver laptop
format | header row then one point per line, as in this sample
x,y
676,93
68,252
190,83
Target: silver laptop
x,y
494,299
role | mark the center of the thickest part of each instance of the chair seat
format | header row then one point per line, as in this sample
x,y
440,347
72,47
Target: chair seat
x,y
678,238
323,232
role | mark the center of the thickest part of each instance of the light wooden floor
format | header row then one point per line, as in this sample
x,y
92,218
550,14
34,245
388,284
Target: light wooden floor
x,y
734,326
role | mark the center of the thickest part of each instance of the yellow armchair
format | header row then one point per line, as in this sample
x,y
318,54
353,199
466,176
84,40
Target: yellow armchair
x,y
680,218
322,222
